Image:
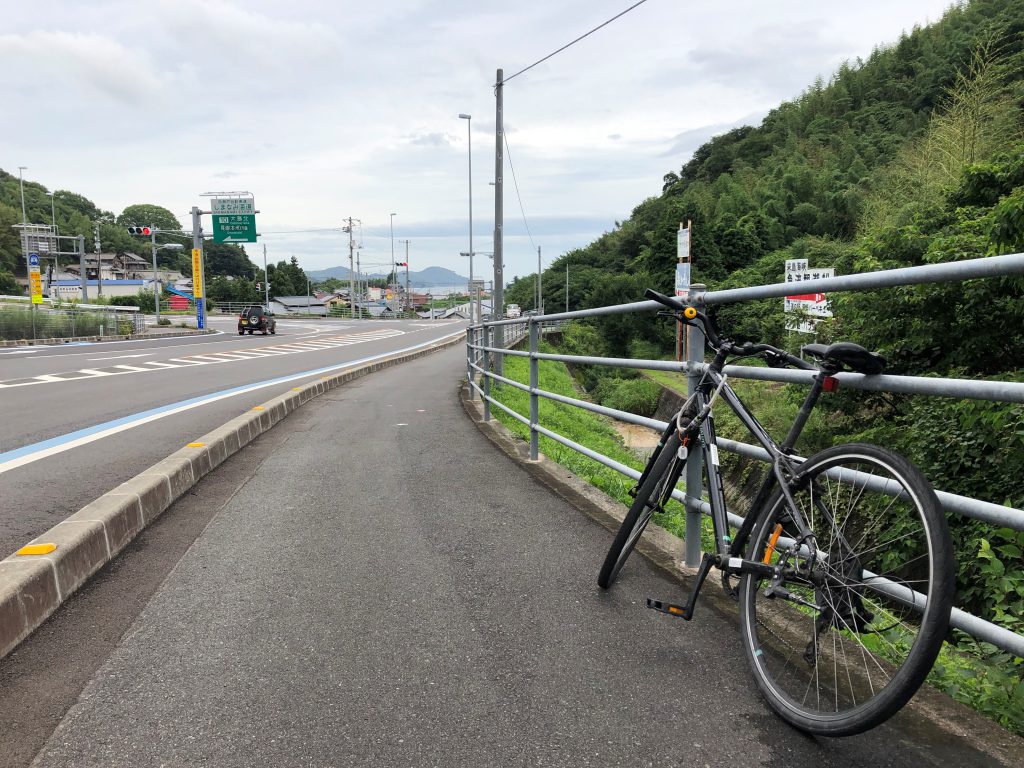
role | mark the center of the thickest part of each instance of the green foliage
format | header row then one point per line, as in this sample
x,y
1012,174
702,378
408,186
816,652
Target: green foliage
x,y
638,395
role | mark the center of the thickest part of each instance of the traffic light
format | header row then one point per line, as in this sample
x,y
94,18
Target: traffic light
x,y
140,230
401,263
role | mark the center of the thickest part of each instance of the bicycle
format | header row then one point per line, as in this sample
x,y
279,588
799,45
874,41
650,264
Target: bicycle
x,y
844,560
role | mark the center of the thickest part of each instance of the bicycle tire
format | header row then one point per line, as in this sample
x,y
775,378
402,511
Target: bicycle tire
x,y
639,514
862,651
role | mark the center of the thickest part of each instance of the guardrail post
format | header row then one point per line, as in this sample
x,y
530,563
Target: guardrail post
x,y
534,327
486,380
694,462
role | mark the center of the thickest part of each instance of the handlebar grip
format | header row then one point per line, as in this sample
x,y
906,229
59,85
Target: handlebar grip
x,y
661,298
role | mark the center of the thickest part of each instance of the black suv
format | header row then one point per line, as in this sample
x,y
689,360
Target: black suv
x,y
256,319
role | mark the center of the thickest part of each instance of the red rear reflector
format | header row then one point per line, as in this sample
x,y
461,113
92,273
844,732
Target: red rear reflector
x,y
831,384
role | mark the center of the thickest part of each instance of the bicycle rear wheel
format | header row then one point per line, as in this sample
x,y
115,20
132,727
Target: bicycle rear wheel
x,y
841,638
666,470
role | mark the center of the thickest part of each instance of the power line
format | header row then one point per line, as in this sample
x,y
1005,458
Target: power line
x,y
508,154
301,231
567,45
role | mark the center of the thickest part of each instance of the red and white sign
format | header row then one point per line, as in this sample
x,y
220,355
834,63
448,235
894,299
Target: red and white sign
x,y
814,304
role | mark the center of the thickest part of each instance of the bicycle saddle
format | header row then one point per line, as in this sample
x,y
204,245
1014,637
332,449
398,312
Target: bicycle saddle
x,y
847,355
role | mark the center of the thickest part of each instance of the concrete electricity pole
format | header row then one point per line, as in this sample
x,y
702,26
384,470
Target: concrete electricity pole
x,y
539,296
498,295
99,265
351,271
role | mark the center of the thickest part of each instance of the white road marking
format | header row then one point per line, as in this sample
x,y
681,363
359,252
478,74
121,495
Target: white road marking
x,y
208,358
119,357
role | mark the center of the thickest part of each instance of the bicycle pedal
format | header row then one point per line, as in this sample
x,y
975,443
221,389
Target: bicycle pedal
x,y
669,608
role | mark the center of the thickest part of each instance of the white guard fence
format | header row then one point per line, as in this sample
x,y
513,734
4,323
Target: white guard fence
x,y
489,342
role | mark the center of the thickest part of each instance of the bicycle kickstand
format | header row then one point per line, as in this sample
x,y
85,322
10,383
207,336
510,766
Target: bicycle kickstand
x,y
686,611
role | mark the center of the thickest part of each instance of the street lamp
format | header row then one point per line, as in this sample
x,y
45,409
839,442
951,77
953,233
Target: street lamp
x,y
53,211
469,137
21,183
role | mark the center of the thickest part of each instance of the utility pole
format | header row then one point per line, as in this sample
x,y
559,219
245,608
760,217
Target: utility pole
x,y
99,264
498,295
351,270
80,242
539,311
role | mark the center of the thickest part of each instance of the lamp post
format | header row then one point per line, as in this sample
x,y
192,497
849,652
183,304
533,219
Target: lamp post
x,y
21,183
53,211
469,138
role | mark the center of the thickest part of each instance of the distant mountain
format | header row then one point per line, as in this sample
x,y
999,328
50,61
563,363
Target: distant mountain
x,y
431,276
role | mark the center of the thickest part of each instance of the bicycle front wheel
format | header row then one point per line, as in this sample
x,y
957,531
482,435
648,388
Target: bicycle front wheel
x,y
666,470
848,628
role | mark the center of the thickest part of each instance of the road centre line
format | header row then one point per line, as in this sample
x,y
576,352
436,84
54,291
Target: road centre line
x,y
211,358
30,453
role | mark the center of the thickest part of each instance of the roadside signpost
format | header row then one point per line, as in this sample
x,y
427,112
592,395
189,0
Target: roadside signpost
x,y
35,281
814,305
197,287
234,219
682,286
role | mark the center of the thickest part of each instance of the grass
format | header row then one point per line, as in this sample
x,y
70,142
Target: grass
x,y
589,429
17,323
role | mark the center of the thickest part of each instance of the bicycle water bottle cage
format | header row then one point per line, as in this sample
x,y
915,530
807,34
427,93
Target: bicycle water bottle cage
x,y
846,356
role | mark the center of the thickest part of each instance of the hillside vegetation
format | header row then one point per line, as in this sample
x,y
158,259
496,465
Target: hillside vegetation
x,y
914,156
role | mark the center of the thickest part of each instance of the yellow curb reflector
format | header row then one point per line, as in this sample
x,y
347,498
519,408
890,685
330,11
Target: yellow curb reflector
x,y
196,445
257,407
37,549
296,389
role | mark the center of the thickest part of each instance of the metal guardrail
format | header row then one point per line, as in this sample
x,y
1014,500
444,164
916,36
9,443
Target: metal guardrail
x,y
482,354
25,321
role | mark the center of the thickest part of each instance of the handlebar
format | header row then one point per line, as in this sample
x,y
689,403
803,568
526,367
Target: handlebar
x,y
777,358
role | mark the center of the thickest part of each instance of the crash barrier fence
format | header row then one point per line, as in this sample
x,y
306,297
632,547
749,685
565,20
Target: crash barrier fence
x,y
489,342
20,320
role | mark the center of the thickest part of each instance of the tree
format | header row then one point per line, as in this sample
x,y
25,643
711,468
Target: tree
x,y
146,214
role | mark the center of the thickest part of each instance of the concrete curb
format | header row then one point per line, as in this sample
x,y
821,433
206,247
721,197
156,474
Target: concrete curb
x,y
33,586
929,706
116,337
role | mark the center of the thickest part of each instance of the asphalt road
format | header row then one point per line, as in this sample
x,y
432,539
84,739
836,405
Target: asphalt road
x,y
49,396
417,601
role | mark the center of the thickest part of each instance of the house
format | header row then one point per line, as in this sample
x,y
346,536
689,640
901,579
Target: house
x,y
71,290
335,300
298,305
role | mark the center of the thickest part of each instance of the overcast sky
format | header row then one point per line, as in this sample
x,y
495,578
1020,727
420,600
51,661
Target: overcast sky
x,y
325,110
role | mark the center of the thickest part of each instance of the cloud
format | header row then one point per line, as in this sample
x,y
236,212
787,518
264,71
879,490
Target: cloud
x,y
68,62
436,139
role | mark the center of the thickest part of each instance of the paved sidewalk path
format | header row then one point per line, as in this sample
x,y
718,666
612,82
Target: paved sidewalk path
x,y
392,590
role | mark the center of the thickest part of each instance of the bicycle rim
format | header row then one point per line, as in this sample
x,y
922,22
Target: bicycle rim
x,y
640,512
854,640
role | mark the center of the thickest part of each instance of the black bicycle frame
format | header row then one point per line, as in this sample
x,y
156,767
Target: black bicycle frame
x,y
782,463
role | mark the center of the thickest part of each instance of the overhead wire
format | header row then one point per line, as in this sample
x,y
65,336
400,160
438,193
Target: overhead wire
x,y
515,182
567,45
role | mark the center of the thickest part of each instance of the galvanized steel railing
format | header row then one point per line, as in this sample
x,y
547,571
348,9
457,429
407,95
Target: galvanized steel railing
x,y
483,354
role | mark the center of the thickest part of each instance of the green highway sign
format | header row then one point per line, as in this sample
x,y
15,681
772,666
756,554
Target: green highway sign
x,y
234,228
